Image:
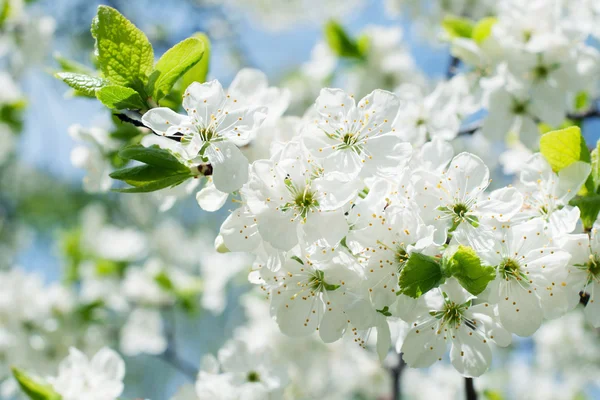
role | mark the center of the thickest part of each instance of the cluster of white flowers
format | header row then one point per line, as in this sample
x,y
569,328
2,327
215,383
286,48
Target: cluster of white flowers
x,y
532,64
338,211
367,222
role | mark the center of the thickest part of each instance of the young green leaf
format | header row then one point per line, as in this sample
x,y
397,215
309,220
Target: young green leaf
x,y
466,267
595,160
563,147
120,98
458,27
84,84
172,65
34,389
589,207
483,29
420,274
67,65
124,53
340,42
142,174
163,183
153,155
198,72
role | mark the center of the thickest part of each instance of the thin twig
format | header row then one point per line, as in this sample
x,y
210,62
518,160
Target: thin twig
x,y
396,372
470,393
452,67
170,355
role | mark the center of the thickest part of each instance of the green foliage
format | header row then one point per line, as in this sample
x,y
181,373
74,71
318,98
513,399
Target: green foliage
x,y
589,206
161,169
173,65
125,55
67,65
198,72
188,298
340,42
72,250
84,85
4,11
563,147
12,114
483,29
385,311
120,98
34,389
420,274
458,27
595,161
582,100
465,266
153,155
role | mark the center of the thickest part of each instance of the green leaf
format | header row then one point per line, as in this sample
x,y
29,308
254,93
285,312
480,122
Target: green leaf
x,y
420,274
340,42
458,27
466,267
120,98
153,155
595,161
84,84
198,72
125,55
589,206
490,394
67,65
172,65
34,389
169,181
483,29
142,174
563,147
581,100
5,10
385,311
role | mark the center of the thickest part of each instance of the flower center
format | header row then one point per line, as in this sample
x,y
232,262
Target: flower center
x,y
593,266
318,284
519,107
510,269
452,314
253,376
401,257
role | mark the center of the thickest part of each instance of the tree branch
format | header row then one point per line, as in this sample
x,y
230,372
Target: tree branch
x,y
470,393
396,373
170,355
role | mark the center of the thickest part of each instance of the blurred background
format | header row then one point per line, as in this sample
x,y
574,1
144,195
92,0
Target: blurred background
x,y
51,227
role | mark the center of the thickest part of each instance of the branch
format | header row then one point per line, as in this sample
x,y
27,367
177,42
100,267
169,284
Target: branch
x,y
184,367
452,67
470,393
471,128
396,372
591,113
170,355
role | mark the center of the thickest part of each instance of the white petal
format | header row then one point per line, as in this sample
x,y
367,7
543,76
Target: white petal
x,y
248,82
469,354
334,103
230,166
467,176
423,346
210,199
330,226
520,310
163,120
201,100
